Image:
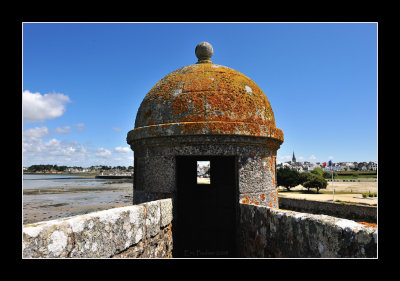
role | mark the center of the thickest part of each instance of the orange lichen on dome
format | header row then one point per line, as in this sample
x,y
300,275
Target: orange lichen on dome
x,y
219,99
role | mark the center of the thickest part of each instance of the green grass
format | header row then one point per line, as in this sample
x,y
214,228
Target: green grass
x,y
343,202
367,194
347,177
314,191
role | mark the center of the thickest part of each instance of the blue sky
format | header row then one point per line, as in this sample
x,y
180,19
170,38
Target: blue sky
x,y
83,84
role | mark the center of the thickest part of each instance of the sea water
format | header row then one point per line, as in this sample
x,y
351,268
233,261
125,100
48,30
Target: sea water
x,y
46,181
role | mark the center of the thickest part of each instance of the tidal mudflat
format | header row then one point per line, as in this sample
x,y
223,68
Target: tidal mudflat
x,y
48,197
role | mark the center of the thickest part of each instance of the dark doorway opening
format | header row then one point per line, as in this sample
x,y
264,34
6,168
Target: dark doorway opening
x,y
207,210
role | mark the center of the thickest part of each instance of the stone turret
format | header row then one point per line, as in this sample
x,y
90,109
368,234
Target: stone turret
x,y
210,110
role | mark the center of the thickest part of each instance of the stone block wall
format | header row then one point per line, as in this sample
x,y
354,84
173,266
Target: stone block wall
x,y
155,165
347,211
139,231
274,233
145,231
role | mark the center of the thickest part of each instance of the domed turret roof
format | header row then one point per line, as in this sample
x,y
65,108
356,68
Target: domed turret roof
x,y
205,99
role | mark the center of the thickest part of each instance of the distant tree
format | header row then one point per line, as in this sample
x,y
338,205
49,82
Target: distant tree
x,y
287,177
315,181
62,168
40,168
304,177
318,171
328,175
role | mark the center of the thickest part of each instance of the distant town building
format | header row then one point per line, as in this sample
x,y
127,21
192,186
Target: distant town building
x,y
337,167
372,166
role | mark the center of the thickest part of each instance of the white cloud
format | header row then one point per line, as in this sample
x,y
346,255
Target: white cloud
x,y
35,134
283,158
38,148
38,151
38,108
102,152
63,148
312,157
80,126
32,138
123,149
124,155
116,129
62,130
330,157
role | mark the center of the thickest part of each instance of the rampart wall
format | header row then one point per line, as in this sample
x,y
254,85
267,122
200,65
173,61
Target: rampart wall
x,y
347,211
145,231
274,233
135,231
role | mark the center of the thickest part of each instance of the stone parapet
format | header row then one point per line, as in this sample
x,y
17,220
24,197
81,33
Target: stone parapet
x,y
118,232
347,211
274,233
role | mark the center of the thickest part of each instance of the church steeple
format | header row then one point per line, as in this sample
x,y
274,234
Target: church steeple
x,y
293,158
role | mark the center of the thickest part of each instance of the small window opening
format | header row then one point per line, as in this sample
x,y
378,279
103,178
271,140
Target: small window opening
x,y
203,172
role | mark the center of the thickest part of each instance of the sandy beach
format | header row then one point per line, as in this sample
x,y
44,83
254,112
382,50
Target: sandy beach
x,y
42,204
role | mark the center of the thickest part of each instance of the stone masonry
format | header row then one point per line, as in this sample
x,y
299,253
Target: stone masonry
x,y
136,231
273,233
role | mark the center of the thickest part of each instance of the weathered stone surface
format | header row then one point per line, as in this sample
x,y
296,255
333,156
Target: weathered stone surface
x,y
153,218
268,232
204,109
98,234
129,232
347,211
166,212
159,246
204,51
155,160
205,99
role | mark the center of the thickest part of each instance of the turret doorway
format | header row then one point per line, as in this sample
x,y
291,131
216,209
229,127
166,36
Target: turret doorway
x,y
207,206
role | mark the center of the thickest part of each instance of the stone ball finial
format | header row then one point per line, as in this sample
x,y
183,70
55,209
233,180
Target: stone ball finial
x,y
204,52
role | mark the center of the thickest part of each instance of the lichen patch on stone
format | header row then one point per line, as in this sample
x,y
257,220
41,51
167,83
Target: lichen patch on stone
x,y
248,89
58,244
